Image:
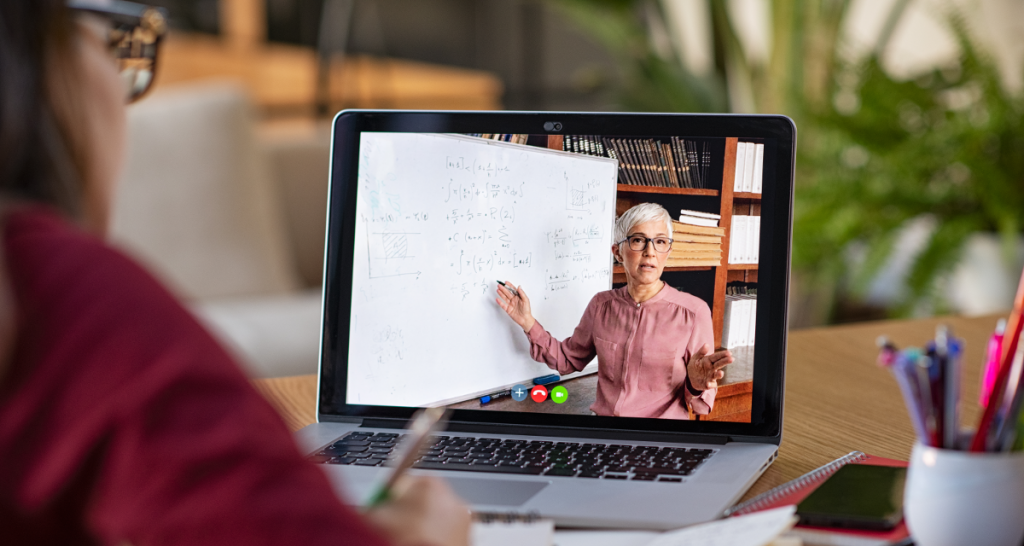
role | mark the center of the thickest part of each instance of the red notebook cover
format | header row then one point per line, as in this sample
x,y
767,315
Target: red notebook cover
x,y
795,491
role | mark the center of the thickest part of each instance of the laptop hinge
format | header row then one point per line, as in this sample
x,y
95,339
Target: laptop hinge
x,y
563,432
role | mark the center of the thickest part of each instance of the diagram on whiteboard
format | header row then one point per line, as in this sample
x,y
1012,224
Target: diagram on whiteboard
x,y
442,218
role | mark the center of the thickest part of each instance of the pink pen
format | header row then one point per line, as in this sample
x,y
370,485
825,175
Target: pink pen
x,y
995,351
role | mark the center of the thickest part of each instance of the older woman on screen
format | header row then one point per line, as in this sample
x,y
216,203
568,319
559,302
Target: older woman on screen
x,y
654,344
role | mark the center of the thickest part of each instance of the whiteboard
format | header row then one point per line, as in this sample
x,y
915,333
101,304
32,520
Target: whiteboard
x,y
439,219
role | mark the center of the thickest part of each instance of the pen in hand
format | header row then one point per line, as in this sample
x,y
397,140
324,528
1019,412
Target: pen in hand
x,y
513,290
422,426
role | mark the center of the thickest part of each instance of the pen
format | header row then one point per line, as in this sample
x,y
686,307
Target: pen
x,y
903,370
422,426
994,352
547,379
949,381
1009,350
513,290
486,399
919,363
886,352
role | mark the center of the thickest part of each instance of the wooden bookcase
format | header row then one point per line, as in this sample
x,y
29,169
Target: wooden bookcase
x,y
729,203
733,401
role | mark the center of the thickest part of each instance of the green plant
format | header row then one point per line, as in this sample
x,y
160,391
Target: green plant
x,y
874,151
946,144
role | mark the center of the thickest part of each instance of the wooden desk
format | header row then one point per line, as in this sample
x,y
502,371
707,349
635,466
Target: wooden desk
x,y
837,400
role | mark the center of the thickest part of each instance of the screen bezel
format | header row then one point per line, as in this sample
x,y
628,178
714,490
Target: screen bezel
x,y
773,269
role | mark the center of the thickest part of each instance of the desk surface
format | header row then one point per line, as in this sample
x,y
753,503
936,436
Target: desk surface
x,y
837,400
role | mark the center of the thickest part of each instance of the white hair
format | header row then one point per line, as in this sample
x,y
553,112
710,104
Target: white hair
x,y
641,214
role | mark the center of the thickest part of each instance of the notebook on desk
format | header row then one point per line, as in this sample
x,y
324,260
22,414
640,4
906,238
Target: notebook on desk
x,y
428,210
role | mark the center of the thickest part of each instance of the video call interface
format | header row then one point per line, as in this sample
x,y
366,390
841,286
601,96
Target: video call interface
x,y
464,240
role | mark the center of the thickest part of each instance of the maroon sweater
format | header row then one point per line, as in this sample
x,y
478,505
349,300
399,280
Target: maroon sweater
x,y
122,420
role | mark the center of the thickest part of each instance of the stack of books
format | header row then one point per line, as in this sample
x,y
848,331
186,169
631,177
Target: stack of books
x,y
749,167
669,162
698,240
740,315
744,239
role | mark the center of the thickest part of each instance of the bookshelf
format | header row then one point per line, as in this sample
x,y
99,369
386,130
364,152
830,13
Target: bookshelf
x,y
733,401
729,203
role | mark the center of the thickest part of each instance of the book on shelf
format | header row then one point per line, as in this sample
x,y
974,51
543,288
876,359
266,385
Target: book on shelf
x,y
744,239
503,137
749,168
794,491
699,218
684,246
664,163
740,315
693,238
684,227
758,167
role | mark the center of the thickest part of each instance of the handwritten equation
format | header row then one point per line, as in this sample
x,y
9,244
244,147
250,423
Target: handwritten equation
x,y
458,192
480,168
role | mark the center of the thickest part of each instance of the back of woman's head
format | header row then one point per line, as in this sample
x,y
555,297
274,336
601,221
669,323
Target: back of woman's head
x,y
41,150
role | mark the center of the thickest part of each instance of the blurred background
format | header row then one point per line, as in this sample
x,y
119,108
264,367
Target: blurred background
x,y
910,113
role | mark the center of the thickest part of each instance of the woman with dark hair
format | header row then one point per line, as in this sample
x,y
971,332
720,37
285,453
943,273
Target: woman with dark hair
x,y
121,419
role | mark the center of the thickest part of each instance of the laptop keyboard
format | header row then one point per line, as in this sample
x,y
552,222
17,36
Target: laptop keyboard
x,y
538,458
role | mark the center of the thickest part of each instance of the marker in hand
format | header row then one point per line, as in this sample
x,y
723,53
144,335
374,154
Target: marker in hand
x,y
513,290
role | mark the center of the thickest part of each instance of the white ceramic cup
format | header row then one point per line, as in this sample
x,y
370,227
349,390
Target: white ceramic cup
x,y
953,498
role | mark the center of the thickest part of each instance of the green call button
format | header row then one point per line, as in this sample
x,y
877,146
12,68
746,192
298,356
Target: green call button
x,y
559,394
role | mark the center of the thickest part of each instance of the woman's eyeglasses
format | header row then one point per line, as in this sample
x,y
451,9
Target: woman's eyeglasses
x,y
134,34
638,243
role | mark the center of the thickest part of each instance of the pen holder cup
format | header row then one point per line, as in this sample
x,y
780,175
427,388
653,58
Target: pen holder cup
x,y
956,498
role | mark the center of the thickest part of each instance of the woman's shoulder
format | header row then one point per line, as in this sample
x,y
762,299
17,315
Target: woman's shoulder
x,y
687,301
47,254
77,292
607,296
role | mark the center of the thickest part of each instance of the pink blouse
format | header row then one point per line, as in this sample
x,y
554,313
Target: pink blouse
x,y
642,350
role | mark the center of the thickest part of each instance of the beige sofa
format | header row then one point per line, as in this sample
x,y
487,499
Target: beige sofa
x,y
232,217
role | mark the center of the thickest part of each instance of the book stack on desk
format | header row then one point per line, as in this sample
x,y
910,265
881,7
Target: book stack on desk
x,y
698,240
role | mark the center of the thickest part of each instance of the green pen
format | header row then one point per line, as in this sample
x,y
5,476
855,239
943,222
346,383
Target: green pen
x,y
425,423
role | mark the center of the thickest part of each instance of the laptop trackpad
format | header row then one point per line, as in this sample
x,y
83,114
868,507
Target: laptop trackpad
x,y
495,492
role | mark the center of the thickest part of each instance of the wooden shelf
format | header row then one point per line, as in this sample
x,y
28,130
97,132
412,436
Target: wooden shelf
x,y
618,268
629,188
619,274
746,195
741,267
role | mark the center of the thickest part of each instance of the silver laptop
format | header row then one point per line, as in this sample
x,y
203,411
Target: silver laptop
x,y
428,210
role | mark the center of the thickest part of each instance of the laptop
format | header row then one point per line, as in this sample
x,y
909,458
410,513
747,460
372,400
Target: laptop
x,y
429,210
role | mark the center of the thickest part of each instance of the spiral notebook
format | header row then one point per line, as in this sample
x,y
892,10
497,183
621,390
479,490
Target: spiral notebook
x,y
794,491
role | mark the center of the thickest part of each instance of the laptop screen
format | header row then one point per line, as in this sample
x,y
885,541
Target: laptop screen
x,y
563,276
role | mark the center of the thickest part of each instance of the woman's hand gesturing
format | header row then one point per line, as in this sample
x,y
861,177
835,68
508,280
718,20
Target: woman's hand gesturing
x,y
516,305
704,370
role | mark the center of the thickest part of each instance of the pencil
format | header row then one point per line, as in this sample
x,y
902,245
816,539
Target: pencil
x,y
1013,327
422,425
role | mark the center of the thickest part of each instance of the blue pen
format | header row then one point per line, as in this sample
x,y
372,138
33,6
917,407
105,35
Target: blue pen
x,y
905,372
486,399
544,380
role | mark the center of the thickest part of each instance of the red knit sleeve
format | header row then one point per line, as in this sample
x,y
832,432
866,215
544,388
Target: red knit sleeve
x,y
122,420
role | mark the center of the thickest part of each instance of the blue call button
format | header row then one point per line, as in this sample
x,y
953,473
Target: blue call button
x,y
520,392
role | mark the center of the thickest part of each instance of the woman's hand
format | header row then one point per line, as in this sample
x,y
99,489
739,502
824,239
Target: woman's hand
x,y
424,512
704,370
517,306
